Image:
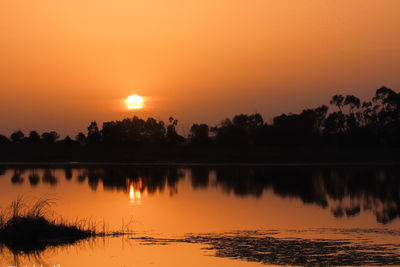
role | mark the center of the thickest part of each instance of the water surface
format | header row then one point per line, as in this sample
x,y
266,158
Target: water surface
x,y
219,215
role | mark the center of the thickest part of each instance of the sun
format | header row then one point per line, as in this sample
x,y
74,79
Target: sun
x,y
134,102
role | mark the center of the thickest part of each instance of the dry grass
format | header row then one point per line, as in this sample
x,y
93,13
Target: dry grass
x,y
27,228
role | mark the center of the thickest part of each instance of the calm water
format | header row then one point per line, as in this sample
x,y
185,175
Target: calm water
x,y
219,216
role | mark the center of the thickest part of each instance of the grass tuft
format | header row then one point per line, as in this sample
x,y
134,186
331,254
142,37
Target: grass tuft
x,y
26,228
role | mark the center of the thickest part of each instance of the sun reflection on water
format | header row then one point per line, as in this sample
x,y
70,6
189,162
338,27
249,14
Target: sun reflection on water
x,y
135,192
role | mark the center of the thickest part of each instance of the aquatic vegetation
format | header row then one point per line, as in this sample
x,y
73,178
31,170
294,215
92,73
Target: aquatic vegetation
x,y
263,247
27,228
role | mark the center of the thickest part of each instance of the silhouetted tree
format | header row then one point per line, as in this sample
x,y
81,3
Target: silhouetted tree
x,y
334,123
241,130
34,137
68,140
172,137
4,140
338,100
81,139
17,136
135,131
155,131
352,122
199,134
93,136
301,128
352,101
50,137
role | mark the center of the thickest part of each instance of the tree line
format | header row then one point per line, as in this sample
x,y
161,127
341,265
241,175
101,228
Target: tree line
x,y
347,121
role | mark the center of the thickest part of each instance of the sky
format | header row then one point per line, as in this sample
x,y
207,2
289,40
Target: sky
x,y
64,64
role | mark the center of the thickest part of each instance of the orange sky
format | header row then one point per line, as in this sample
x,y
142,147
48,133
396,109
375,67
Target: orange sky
x,y
65,63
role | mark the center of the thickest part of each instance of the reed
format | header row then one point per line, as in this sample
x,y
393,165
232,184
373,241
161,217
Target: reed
x,y
27,227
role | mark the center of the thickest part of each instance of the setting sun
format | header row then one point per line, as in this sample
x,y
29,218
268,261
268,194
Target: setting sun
x,y
134,102
265,131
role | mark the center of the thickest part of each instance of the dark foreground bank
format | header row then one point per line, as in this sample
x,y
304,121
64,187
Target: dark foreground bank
x,y
29,228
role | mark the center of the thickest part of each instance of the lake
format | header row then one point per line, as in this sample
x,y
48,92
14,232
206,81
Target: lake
x,y
216,215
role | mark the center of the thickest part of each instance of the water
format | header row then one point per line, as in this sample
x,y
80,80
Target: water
x,y
217,215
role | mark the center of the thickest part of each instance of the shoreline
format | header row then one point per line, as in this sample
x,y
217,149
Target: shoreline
x,y
193,163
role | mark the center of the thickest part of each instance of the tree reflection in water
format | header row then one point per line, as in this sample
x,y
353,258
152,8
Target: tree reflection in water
x,y
345,190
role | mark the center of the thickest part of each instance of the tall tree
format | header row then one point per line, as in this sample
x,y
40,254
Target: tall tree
x,y
337,100
17,136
